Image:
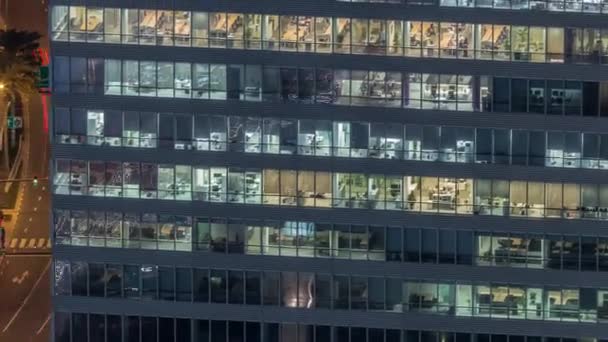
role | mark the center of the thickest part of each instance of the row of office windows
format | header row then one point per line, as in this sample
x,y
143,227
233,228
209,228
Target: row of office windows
x,y
306,290
428,39
580,6
328,138
331,189
97,327
78,75
326,240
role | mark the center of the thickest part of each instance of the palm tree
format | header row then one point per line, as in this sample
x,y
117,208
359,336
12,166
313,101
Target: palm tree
x,y
18,73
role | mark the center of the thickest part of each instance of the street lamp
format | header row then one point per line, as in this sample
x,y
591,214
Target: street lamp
x,y
1,86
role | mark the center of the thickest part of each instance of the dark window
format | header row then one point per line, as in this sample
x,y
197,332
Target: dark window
x,y
79,327
149,281
322,333
393,244
271,332
113,278
376,243
591,98
393,335
376,293
501,94
429,245
217,279
62,327
166,283
464,248
97,326
131,281
61,74
519,147
483,145
148,329
447,246
183,331
183,277
201,331
218,331
536,150
114,327
537,93
357,335
588,253
201,285
253,332
236,332
131,329
271,288
166,329
236,287
96,282
340,292
323,291
463,337
253,288
375,334
502,148
412,245
79,278
412,336
570,253
519,95
341,334
358,293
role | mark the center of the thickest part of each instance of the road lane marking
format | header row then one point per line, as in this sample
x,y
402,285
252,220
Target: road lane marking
x,y
21,278
41,242
32,243
39,198
29,295
30,220
14,243
35,208
46,321
22,243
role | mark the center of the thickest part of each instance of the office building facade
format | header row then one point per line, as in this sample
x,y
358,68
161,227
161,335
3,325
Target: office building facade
x,y
330,171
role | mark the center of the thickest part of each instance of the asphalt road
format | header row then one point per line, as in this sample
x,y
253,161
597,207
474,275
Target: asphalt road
x,y
25,285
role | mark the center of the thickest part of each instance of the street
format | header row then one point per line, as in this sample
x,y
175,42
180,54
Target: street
x,y
25,269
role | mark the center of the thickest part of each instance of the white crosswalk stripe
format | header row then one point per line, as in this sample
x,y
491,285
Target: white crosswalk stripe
x,y
30,243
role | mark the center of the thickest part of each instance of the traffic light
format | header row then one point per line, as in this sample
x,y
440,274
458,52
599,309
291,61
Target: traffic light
x,y
35,181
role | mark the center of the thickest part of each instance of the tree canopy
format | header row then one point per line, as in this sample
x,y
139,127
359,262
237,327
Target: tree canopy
x,y
18,61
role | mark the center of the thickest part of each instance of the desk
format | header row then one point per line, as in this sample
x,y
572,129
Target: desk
x,y
290,35
446,39
182,27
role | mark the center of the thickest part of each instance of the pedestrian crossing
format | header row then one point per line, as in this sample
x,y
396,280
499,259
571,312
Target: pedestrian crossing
x,y
30,243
